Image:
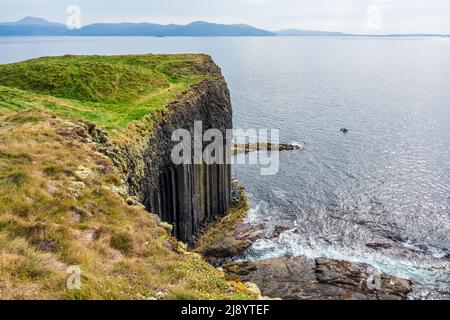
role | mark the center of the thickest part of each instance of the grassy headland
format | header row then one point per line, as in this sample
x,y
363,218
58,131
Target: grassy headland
x,y
111,91
61,201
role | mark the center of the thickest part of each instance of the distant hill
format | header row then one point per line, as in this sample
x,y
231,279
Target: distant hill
x,y
305,33
125,29
31,21
31,26
205,29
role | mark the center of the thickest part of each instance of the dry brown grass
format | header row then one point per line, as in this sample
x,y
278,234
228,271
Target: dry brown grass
x,y
52,217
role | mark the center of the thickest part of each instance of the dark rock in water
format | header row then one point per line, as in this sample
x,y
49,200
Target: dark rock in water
x,y
300,278
377,245
287,147
251,232
344,130
277,231
263,146
255,232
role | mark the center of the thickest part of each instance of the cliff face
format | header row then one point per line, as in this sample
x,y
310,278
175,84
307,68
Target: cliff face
x,y
187,196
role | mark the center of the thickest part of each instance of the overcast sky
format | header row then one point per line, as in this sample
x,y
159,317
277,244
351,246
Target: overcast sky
x,y
355,16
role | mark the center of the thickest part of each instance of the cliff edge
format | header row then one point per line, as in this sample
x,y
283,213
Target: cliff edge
x,y
84,146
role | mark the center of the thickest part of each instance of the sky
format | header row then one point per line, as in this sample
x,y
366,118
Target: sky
x,y
352,16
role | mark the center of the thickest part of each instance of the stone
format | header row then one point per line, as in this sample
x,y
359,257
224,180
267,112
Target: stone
x,y
91,129
377,245
226,246
358,276
263,146
74,193
133,201
251,232
45,245
84,173
241,270
79,131
103,169
166,226
300,278
102,137
122,191
160,295
182,247
254,289
78,185
88,235
78,214
155,218
277,231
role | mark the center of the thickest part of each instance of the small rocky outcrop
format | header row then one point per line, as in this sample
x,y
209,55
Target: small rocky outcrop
x,y
301,278
379,246
225,247
262,146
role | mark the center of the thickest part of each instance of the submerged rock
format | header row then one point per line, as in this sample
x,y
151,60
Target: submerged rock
x,y
300,278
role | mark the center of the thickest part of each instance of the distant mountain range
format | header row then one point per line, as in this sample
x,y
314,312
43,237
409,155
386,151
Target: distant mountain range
x,y
32,26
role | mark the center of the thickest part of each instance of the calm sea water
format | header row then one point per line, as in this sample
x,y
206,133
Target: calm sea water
x,y
387,180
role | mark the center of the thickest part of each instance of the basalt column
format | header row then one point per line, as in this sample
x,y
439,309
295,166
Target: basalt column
x,y
189,196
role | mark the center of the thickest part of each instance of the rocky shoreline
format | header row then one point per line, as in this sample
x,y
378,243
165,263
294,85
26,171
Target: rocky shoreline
x,y
295,278
301,278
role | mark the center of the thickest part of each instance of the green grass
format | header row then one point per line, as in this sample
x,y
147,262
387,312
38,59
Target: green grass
x,y
111,91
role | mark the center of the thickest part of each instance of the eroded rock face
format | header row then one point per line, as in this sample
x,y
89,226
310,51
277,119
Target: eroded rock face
x,y
301,278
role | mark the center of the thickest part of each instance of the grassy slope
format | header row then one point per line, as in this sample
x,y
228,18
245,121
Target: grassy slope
x,y
58,207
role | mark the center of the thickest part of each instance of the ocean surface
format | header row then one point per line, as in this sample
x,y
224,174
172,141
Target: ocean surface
x,y
387,180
